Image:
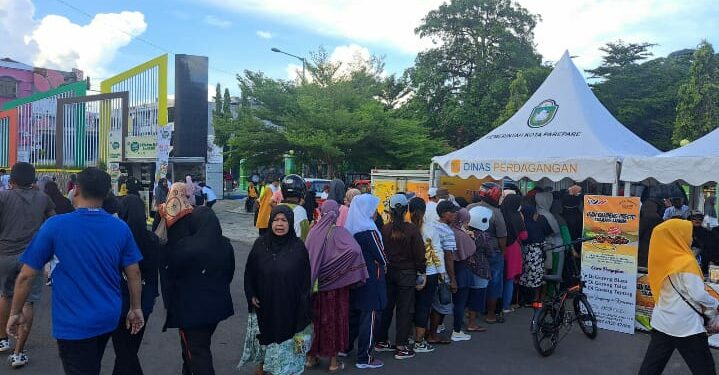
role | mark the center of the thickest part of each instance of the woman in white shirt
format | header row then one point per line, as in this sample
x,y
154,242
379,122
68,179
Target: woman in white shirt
x,y
677,286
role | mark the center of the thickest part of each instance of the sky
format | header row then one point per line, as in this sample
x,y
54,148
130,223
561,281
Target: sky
x,y
106,37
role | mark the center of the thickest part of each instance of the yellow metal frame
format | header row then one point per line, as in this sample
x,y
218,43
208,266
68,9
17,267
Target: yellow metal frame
x,y
106,87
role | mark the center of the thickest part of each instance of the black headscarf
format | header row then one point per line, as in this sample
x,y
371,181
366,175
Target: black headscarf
x,y
110,204
512,217
310,204
132,211
337,191
62,204
277,273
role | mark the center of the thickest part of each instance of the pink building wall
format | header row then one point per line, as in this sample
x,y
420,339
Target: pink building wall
x,y
32,80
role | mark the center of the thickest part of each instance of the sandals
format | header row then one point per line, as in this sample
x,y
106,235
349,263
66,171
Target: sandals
x,y
476,329
338,369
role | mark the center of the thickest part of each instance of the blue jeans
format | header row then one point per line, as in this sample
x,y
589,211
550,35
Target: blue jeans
x,y
507,291
496,265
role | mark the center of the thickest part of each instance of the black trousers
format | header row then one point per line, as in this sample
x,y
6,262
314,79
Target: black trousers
x,y
363,325
82,357
196,353
400,295
126,347
694,349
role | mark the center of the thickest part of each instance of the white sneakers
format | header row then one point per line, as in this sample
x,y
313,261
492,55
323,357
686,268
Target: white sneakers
x,y
4,345
460,336
17,360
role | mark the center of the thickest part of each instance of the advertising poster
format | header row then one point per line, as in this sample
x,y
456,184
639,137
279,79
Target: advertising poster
x,y
462,187
609,262
645,301
383,190
419,188
114,153
144,147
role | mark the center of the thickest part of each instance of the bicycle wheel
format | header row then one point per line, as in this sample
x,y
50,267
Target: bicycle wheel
x,y
585,316
545,330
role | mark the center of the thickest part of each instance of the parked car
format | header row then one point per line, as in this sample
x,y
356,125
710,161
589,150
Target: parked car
x,y
318,185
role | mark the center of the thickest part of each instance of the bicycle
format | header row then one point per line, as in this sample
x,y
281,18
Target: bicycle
x,y
551,316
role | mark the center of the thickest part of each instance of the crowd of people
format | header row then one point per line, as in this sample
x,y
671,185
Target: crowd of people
x,y
335,291
327,279
107,269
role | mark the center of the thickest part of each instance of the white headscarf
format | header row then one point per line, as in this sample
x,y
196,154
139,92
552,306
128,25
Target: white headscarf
x,y
544,205
359,218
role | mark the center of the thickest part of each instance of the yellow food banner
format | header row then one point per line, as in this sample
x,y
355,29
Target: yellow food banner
x,y
609,261
420,189
383,190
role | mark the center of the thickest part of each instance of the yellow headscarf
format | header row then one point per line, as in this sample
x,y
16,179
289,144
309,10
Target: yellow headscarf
x,y
263,214
670,253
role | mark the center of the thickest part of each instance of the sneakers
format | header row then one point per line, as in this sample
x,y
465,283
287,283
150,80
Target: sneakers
x,y
17,360
405,353
344,354
384,347
508,311
4,345
423,347
460,336
374,363
440,328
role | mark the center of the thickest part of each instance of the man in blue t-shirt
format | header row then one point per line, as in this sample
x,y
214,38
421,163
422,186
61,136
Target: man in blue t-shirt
x,y
92,248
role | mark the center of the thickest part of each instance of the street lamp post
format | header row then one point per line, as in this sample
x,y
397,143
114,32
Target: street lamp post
x,y
295,56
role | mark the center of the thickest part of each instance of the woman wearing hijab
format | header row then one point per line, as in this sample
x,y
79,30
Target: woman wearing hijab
x,y
251,197
544,201
310,203
337,190
572,203
196,268
190,186
538,228
516,234
337,263
265,208
345,208
648,219
126,345
62,204
278,289
678,290
71,184
367,301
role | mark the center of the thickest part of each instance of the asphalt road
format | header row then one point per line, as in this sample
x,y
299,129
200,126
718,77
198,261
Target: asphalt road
x,y
504,349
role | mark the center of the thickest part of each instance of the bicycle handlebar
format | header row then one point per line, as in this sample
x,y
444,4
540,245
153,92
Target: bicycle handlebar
x,y
579,240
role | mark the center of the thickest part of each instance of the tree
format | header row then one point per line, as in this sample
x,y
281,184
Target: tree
x,y
226,103
643,96
698,107
218,99
521,88
619,55
337,119
461,84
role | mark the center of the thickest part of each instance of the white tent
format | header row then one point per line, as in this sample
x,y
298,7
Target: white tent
x,y
696,163
563,131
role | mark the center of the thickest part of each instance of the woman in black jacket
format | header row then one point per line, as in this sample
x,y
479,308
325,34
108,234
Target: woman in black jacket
x,y
126,345
197,267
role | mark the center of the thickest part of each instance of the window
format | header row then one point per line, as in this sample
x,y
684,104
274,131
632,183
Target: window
x,y
8,87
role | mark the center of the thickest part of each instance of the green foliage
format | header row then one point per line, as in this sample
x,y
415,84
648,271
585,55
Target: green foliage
x,y
226,101
342,117
619,55
218,99
522,87
643,96
462,84
698,106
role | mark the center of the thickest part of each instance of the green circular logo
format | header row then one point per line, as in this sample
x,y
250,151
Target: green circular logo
x,y
134,147
115,145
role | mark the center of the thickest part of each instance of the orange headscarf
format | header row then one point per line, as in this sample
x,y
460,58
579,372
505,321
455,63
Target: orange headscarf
x,y
177,205
670,253
263,213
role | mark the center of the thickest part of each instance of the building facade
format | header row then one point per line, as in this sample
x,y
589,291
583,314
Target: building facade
x,y
18,80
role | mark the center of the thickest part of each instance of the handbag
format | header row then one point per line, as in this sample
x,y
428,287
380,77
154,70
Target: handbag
x,y
704,317
161,232
444,293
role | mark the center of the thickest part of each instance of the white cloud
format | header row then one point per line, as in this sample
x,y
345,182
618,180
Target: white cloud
x,y
56,42
217,22
16,22
349,56
579,26
264,34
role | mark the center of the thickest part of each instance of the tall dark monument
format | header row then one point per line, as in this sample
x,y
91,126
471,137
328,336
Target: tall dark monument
x,y
190,138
